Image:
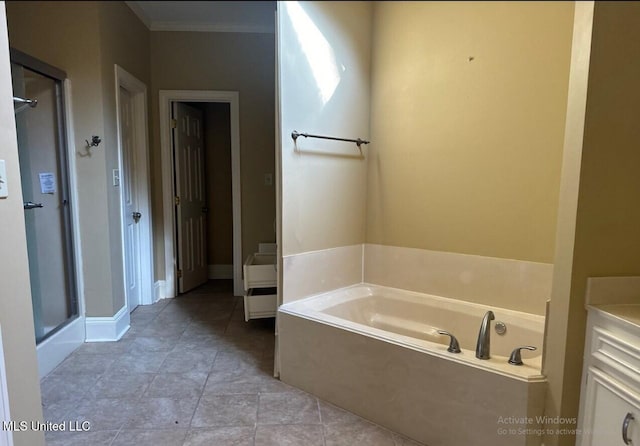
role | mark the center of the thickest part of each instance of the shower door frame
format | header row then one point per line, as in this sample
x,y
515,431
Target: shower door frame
x,y
64,339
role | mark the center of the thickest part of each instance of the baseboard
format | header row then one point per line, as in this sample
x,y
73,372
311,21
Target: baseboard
x,y
158,291
220,271
105,329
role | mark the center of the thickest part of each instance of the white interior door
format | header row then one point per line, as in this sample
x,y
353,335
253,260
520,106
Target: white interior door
x,y
130,212
190,193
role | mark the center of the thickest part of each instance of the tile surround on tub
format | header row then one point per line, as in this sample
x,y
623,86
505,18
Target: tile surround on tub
x,y
504,283
320,271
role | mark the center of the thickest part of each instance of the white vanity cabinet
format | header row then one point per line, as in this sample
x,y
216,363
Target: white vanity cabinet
x,y
610,401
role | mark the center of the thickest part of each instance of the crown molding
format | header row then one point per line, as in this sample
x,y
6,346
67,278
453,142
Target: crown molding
x,y
138,11
197,26
211,28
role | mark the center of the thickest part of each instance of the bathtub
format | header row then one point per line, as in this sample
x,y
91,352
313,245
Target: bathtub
x,y
375,351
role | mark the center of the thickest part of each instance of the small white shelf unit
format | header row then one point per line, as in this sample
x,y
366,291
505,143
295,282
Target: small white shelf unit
x,y
260,283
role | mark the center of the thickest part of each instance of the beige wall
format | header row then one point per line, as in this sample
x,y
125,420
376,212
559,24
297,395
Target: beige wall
x,y
217,140
466,154
125,41
324,83
67,39
85,39
16,317
222,61
607,218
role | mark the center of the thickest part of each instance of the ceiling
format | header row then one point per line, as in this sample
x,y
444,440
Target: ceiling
x,y
208,16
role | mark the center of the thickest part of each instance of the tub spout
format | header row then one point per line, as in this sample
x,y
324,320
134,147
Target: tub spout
x,y
483,347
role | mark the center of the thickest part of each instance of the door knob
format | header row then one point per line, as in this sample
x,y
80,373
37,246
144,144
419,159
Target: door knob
x,y
32,205
136,216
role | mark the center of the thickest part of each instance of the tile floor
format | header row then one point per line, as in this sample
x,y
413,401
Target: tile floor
x,y
192,372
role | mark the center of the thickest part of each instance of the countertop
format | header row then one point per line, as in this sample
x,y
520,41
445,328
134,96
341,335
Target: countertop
x,y
629,313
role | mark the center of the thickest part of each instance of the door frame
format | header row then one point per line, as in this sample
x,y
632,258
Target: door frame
x,y
167,97
138,91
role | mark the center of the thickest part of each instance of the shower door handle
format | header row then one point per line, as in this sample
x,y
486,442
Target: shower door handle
x,y
32,205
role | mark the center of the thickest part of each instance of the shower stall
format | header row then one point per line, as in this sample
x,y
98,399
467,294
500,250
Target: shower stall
x,y
44,170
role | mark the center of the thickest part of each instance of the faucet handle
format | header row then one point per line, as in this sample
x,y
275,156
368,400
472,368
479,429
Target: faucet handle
x,y
515,358
454,347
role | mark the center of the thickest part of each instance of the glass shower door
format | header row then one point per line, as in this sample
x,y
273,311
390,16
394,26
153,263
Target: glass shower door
x,y
43,170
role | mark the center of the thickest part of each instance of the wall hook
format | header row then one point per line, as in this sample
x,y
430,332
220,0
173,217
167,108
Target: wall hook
x,y
95,142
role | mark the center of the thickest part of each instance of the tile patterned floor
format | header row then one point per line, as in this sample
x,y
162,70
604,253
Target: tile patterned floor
x,y
192,372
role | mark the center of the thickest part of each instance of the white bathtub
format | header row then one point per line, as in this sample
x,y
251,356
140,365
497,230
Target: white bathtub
x,y
375,351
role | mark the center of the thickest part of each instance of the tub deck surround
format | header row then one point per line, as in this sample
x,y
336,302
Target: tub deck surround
x,y
373,350
412,320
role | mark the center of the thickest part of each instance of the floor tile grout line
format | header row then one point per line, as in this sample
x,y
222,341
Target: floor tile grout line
x,y
117,433
289,424
324,438
258,412
201,395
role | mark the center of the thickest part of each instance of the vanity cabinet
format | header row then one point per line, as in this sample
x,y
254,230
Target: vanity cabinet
x,y
610,401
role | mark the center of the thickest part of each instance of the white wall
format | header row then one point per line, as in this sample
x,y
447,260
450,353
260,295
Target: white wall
x,y
324,67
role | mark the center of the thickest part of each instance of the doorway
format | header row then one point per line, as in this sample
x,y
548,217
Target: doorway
x,y
204,223
133,179
170,164
39,107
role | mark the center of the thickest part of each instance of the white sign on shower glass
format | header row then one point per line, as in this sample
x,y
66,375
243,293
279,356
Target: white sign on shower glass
x,y
47,183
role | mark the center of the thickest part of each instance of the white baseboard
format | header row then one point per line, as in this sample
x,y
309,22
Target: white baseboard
x,y
220,271
158,291
104,329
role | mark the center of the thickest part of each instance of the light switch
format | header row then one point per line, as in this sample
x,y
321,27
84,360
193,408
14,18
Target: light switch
x,y
116,177
4,189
